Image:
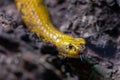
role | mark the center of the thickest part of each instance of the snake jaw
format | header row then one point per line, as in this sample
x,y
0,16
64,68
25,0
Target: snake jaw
x,y
68,55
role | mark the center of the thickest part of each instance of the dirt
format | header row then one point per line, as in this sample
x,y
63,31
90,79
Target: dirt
x,y
23,56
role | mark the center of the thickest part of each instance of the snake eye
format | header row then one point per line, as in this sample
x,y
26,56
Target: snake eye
x,y
70,46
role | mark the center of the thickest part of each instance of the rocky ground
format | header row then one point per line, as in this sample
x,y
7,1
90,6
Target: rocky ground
x,y
23,56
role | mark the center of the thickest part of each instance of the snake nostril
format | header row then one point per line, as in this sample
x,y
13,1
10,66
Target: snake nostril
x,y
82,47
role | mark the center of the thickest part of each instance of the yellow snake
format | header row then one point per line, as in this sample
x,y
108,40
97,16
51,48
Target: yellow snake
x,y
36,17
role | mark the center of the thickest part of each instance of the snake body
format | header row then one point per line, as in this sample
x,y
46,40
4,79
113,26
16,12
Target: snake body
x,y
36,17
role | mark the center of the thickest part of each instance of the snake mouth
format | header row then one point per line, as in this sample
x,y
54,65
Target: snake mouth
x,y
70,55
80,55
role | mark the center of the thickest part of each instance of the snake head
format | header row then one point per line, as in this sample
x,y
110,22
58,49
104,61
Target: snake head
x,y
71,47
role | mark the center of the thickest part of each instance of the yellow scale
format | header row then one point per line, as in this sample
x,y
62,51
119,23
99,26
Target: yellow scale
x,y
36,17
